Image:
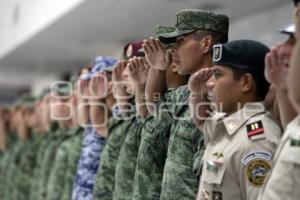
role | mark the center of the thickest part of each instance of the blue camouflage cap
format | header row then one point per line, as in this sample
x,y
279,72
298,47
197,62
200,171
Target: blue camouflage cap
x,y
100,64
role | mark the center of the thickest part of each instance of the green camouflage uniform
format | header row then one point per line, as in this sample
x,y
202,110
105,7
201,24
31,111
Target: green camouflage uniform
x,y
72,161
64,165
48,160
152,154
105,179
126,163
179,180
26,167
12,140
12,168
41,153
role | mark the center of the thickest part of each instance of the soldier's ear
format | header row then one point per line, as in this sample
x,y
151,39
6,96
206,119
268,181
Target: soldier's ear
x,y
247,82
207,43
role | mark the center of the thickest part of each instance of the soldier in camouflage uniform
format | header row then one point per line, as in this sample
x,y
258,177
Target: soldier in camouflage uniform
x,y
196,32
154,139
117,126
105,180
126,163
49,127
94,140
63,171
55,139
10,141
67,155
22,160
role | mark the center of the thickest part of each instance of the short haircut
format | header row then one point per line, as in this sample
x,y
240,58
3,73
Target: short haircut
x,y
217,37
262,86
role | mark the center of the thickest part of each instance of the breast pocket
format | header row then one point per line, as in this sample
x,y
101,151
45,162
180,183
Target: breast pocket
x,y
151,150
185,143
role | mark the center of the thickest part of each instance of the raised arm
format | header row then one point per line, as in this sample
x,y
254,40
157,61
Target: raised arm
x,y
98,109
200,106
159,60
276,74
138,73
119,86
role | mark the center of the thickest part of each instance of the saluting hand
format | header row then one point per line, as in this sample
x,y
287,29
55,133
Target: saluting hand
x,y
98,86
138,70
198,81
276,68
156,55
118,70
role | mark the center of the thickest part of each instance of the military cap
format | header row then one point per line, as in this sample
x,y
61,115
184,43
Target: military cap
x,y
26,100
290,29
190,20
63,89
132,49
246,55
100,64
160,30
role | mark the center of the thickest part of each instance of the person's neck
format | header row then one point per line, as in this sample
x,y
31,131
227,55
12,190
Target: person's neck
x,y
179,81
206,63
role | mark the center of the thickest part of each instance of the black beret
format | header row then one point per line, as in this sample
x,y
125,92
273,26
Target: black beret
x,y
247,55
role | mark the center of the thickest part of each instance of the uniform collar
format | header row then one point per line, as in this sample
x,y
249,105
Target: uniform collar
x,y
235,121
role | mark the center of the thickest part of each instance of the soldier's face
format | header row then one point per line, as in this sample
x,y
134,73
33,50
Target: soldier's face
x,y
224,89
190,54
173,78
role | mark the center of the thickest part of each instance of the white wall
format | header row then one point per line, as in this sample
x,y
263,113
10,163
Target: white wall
x,y
19,21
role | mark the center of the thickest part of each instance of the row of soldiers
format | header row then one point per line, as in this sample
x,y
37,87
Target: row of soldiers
x,y
184,114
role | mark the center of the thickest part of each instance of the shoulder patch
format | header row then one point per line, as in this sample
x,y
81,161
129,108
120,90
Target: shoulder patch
x,y
256,155
257,171
255,130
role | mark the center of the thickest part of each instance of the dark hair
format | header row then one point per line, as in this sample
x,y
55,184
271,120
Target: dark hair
x,y
262,86
217,37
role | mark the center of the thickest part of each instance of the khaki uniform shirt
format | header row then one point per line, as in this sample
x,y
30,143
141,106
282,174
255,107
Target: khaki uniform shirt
x,y
238,156
284,180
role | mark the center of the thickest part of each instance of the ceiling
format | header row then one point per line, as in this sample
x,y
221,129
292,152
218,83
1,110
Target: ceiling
x,y
103,27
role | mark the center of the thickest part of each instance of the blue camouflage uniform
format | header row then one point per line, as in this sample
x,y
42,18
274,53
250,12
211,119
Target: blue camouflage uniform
x,y
87,167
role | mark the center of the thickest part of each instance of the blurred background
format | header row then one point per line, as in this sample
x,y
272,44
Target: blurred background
x,y
46,40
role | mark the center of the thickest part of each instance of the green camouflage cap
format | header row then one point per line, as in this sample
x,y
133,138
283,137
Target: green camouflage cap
x,y
160,30
62,89
26,101
190,20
